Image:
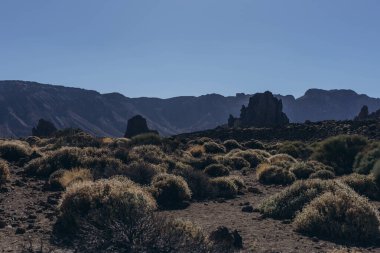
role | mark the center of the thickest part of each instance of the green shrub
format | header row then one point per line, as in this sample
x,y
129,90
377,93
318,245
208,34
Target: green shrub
x,y
217,170
339,152
339,215
231,144
285,204
366,159
322,174
142,172
224,187
170,191
4,172
212,147
302,170
102,201
296,149
197,181
14,151
363,184
270,174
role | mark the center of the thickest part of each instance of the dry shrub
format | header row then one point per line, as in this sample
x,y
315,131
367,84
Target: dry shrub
x,y
61,179
232,144
75,138
104,166
217,170
285,204
252,156
254,144
142,172
319,166
366,159
224,187
363,184
376,172
152,233
146,139
212,147
339,152
4,172
234,162
64,158
170,191
148,153
33,140
238,182
196,151
344,250
322,174
270,174
103,201
200,163
280,159
296,149
302,170
14,151
197,181
120,143
339,215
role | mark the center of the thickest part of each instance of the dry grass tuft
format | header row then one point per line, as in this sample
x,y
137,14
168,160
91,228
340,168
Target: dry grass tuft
x,y
270,174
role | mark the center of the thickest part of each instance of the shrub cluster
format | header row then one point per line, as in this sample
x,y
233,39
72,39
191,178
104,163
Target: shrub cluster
x,y
61,179
339,152
14,151
102,201
4,172
212,147
170,191
339,215
296,149
366,159
217,170
272,174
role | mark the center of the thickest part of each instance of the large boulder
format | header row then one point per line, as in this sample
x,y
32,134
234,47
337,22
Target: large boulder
x,y
44,128
263,110
137,125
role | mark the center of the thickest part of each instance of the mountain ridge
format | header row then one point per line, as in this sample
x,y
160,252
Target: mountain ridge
x,y
22,103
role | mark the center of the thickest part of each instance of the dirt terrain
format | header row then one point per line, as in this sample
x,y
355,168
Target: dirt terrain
x,y
28,213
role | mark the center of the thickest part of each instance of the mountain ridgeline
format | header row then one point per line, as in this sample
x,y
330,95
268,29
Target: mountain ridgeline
x,y
22,104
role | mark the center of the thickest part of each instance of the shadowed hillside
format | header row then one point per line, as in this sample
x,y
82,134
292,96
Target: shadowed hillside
x,y
22,104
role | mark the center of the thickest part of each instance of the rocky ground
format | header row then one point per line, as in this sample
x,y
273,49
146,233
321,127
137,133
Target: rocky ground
x,y
28,213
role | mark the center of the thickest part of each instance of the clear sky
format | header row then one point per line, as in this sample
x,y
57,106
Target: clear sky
x,y
165,48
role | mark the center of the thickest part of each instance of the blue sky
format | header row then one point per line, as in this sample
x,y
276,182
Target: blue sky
x,y
166,48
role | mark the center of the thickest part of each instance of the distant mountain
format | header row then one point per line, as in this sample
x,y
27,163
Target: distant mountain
x,y
22,104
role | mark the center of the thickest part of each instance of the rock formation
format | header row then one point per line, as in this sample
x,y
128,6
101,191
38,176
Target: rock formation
x,y
365,115
263,110
137,125
44,128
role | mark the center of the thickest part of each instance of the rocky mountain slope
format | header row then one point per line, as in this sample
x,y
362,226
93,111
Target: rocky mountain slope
x,y
23,103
